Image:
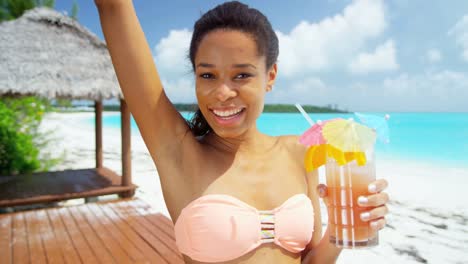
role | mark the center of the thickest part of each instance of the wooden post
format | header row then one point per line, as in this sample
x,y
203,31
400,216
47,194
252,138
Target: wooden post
x,y
126,147
98,134
98,125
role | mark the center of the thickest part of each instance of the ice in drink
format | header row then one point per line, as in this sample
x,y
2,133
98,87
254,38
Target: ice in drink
x,y
346,182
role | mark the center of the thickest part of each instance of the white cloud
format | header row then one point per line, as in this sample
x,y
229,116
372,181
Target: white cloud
x,y
443,83
174,67
382,59
303,91
432,91
181,90
460,32
171,52
311,47
436,91
434,55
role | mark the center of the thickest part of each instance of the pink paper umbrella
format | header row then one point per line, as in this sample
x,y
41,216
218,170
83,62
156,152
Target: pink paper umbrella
x,y
313,136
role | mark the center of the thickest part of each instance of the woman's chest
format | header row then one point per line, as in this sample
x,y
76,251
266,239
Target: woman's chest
x,y
263,183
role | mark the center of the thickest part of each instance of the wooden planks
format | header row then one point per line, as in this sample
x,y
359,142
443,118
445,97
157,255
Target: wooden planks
x,y
80,245
127,231
20,239
119,233
128,211
63,239
49,242
148,232
5,238
46,187
146,248
36,250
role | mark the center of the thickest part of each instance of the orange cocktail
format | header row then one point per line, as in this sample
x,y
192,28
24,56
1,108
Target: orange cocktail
x,y
347,179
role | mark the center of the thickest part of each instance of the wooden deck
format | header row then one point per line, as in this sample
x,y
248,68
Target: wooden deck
x,y
124,231
60,185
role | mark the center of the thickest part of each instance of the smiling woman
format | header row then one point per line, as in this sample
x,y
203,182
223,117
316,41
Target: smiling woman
x,y
248,38
231,88
235,195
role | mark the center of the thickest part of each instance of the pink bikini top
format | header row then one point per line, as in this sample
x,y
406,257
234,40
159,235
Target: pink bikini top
x,y
219,227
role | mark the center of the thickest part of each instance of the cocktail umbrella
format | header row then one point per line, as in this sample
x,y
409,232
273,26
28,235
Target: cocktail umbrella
x,y
379,123
313,136
347,135
316,154
318,150
344,140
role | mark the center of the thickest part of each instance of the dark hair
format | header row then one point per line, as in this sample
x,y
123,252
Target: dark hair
x,y
235,16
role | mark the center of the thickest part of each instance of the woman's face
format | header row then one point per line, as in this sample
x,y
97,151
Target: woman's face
x,y
231,81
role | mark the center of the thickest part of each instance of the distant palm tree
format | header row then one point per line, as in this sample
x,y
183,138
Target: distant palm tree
x,y
74,11
12,9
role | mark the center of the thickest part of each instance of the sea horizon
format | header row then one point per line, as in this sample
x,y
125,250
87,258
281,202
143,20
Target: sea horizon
x,y
416,136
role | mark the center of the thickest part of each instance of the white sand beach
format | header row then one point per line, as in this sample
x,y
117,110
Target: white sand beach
x,y
428,220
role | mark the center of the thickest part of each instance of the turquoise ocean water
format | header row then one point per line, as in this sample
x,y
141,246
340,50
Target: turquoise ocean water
x,y
440,138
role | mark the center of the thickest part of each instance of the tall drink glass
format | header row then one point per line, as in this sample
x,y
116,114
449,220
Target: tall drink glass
x,y
345,184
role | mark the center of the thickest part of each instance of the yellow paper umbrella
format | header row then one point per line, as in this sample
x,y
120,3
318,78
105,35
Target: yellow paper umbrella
x,y
348,135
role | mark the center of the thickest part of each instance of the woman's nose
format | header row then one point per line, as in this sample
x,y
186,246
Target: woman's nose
x,y
225,92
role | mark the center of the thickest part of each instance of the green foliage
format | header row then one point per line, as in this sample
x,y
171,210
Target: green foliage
x,y
4,13
272,108
20,138
269,108
48,3
12,9
17,153
59,102
285,108
74,11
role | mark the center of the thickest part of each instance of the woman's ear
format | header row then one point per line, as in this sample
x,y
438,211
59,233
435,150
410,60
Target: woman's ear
x,y
272,72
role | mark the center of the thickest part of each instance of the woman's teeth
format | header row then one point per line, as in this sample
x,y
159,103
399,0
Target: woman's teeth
x,y
227,113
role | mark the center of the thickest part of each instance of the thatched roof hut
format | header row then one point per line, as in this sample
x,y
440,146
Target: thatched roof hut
x,y
48,54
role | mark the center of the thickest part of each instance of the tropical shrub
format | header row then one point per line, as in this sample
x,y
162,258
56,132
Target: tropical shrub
x,y
20,138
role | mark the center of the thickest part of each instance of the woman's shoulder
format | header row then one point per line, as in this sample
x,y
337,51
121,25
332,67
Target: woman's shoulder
x,y
292,144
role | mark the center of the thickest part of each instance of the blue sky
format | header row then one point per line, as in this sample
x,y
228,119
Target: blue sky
x,y
362,55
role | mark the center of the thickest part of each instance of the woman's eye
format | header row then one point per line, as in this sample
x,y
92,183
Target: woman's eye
x,y
243,76
206,75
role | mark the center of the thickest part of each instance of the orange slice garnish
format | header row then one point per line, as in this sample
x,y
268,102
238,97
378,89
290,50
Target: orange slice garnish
x,y
360,158
337,154
315,157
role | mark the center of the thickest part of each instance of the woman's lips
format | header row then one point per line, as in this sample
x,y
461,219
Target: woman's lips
x,y
226,117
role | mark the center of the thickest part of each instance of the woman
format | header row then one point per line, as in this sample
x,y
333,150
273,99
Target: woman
x,y
217,171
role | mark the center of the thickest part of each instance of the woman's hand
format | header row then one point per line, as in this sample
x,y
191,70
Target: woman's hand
x,y
376,200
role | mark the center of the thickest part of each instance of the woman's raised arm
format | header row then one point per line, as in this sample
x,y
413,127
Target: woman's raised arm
x,y
161,126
